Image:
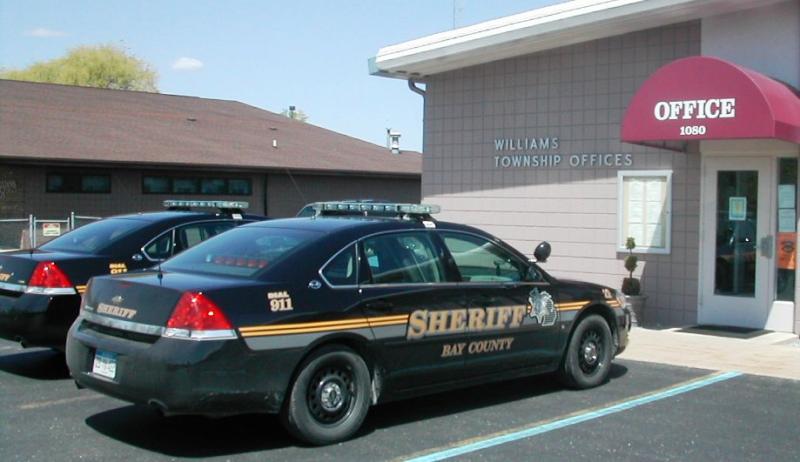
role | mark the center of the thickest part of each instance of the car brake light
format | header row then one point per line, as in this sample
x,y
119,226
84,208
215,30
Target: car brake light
x,y
198,318
48,278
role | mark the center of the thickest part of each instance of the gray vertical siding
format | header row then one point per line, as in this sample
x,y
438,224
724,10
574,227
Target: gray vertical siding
x,y
578,94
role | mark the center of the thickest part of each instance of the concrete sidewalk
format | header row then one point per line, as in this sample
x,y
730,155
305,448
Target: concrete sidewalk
x,y
772,354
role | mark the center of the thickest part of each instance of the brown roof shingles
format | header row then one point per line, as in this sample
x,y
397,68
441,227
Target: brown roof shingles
x,y
67,123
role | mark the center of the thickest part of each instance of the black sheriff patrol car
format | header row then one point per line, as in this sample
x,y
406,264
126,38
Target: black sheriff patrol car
x,y
318,318
40,289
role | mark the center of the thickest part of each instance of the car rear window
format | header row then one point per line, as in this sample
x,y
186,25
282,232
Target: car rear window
x,y
95,237
241,252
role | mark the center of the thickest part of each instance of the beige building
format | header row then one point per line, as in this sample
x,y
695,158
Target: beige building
x,y
676,122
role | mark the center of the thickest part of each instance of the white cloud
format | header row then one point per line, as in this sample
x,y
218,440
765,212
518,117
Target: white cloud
x,y
187,64
43,32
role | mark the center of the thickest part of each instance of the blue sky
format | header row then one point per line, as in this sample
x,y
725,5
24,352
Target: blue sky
x,y
270,54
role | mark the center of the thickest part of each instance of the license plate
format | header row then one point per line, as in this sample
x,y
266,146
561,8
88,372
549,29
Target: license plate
x,y
105,364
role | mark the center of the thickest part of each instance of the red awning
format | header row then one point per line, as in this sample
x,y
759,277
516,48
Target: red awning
x,y
707,98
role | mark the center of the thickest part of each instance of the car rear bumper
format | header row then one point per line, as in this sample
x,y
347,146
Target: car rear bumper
x,y
216,378
37,320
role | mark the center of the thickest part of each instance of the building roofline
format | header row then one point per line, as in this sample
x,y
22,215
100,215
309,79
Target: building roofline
x,y
541,29
139,92
66,123
139,165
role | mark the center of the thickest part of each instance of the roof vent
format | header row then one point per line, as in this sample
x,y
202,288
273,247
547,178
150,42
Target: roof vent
x,y
393,140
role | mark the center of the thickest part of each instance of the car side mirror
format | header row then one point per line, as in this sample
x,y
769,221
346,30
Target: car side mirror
x,y
542,252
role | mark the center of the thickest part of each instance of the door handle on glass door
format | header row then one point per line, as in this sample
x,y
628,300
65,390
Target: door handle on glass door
x,y
766,245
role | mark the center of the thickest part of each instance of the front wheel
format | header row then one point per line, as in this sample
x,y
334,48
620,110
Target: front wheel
x,y
587,360
329,399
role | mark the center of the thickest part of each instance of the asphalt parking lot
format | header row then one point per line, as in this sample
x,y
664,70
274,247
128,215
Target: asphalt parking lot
x,y
645,412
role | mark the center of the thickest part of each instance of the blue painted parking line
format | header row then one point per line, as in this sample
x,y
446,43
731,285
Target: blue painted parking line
x,y
576,419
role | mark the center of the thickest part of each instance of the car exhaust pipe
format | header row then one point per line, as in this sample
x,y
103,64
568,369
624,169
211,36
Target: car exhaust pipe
x,y
157,406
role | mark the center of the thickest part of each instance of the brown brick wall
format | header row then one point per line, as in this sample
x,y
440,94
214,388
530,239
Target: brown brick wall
x,y
126,195
285,198
23,192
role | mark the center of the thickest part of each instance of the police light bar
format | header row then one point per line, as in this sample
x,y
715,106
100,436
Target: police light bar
x,y
410,209
213,204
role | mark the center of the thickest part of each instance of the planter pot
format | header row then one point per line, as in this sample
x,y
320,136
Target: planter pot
x,y
636,304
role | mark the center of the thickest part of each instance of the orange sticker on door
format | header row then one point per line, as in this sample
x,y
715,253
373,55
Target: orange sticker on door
x,y
787,251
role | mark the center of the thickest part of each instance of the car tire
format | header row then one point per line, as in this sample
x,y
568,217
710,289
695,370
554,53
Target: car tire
x,y
329,398
587,361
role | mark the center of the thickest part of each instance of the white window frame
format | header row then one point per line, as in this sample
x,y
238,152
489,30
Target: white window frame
x,y
621,175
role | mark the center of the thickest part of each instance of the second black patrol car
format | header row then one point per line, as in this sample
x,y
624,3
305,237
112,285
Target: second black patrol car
x,y
40,289
318,318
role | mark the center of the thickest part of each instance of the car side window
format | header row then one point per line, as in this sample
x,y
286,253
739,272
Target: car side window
x,y
342,269
195,233
403,258
480,260
160,248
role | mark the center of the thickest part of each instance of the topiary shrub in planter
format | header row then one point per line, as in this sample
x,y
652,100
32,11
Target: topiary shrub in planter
x,y
631,286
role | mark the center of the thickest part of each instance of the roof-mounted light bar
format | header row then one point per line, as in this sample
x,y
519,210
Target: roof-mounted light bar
x,y
376,207
173,203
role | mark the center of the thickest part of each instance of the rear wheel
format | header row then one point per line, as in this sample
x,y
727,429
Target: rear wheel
x,y
329,399
587,360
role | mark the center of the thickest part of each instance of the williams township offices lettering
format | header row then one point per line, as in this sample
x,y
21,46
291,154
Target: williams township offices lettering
x,y
538,159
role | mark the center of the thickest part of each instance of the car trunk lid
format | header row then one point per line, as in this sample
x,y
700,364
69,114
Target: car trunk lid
x,y
16,268
150,297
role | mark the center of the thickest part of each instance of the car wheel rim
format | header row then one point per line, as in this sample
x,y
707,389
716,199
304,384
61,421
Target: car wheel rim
x,y
589,352
331,394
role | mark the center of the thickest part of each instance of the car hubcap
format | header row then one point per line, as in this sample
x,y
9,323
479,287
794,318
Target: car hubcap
x,y
331,394
331,397
589,353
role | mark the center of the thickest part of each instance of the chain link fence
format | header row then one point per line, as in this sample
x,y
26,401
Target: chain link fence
x,y
25,233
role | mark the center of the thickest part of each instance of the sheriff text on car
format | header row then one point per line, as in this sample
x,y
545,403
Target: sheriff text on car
x,y
318,318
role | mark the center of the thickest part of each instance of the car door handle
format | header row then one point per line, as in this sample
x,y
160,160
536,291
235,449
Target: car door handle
x,y
485,301
380,305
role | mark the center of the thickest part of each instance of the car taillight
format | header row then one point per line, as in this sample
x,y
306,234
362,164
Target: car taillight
x,y
48,278
198,318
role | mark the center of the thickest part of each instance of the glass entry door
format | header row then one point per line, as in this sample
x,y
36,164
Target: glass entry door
x,y
737,244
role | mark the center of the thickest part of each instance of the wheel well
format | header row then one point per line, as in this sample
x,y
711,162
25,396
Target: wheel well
x,y
356,343
603,311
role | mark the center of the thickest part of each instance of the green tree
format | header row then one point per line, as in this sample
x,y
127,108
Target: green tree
x,y
101,66
294,113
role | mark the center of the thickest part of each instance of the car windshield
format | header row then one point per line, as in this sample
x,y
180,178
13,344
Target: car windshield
x,y
95,237
241,252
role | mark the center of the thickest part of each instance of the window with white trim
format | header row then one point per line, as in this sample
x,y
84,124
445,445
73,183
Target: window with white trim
x,y
645,210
